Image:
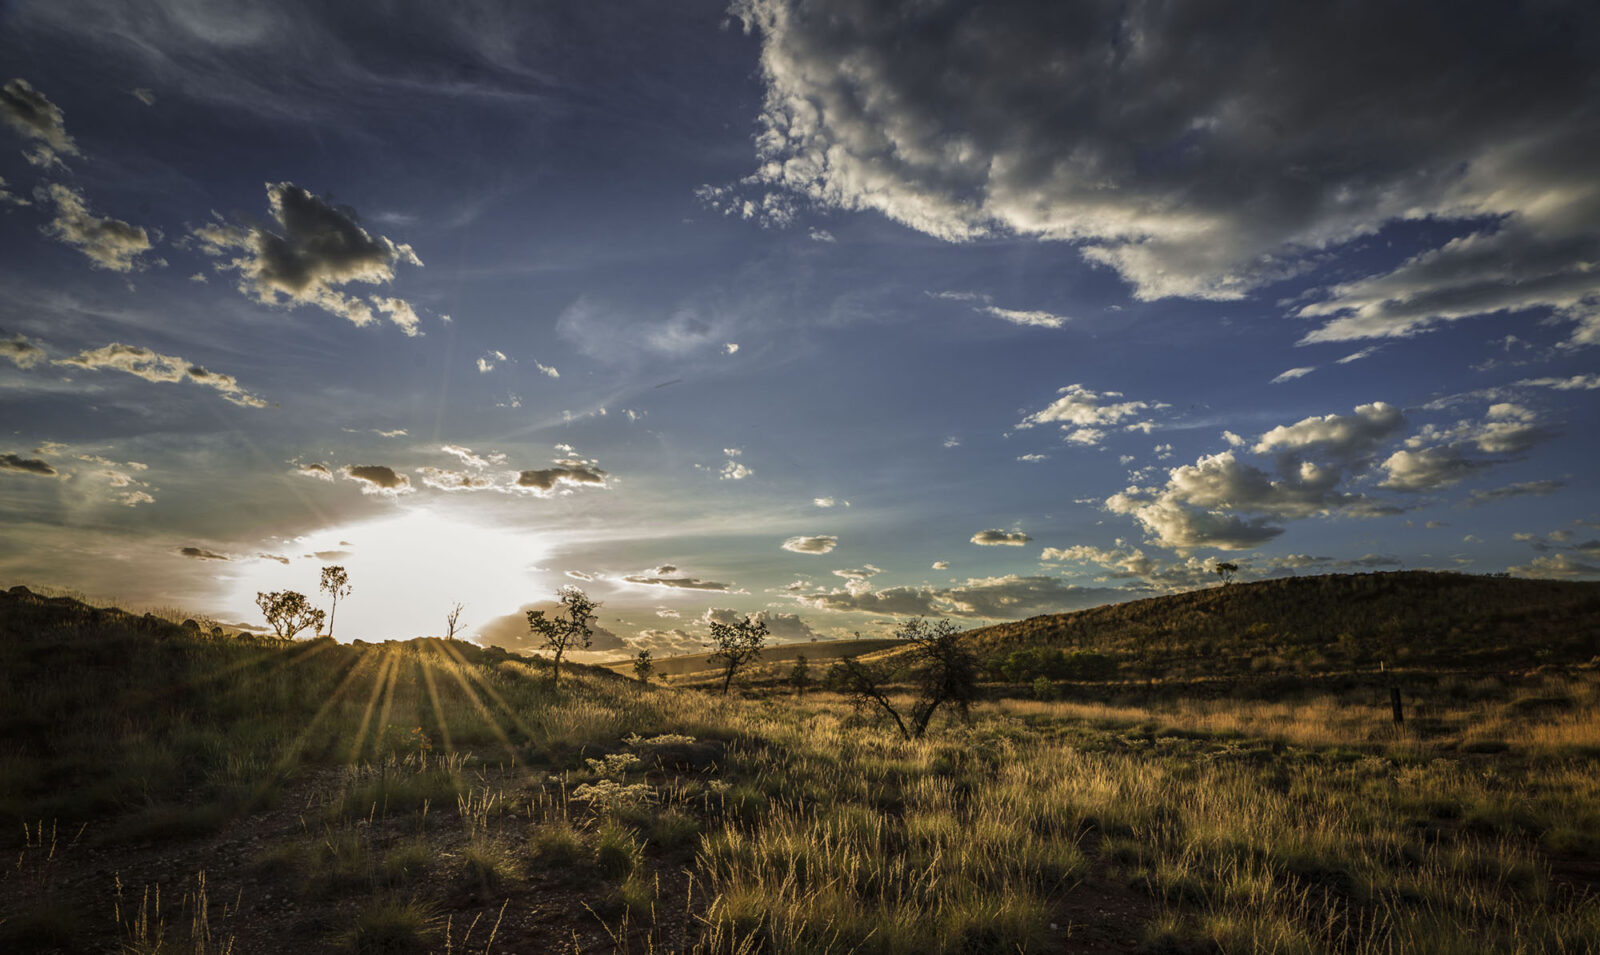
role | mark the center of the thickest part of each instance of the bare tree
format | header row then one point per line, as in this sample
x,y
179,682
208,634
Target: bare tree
x,y
643,666
336,584
943,669
573,630
452,621
737,644
289,612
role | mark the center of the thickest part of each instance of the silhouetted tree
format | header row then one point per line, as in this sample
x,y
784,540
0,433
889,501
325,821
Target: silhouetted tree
x,y
942,667
643,666
1225,570
452,621
289,612
336,584
572,630
737,644
800,675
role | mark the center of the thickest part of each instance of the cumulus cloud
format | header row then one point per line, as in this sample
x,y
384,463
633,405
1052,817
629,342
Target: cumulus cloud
x,y
1428,469
818,544
546,370
31,115
377,479
941,565
151,366
21,352
664,642
1085,415
108,243
1340,435
1146,136
1124,562
1008,597
316,251
489,359
787,627
1437,457
200,553
1556,566
21,465
998,538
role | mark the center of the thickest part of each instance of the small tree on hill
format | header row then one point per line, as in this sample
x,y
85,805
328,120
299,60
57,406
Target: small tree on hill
x,y
289,612
643,666
800,675
943,669
1226,570
336,584
572,630
737,644
452,621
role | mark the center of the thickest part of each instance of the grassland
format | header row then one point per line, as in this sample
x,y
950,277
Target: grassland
x,y
171,790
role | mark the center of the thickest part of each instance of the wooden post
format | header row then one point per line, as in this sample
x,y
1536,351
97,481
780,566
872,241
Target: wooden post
x,y
1394,701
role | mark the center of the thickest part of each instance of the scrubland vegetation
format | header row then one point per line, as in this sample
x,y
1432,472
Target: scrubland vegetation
x,y
177,791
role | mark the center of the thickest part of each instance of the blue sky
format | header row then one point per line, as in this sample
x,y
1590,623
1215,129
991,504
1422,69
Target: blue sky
x,y
830,311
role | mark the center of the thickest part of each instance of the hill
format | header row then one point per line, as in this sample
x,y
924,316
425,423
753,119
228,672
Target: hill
x,y
1339,622
820,652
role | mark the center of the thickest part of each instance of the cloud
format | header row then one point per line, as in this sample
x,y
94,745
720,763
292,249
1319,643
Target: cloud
x,y
275,557
21,465
1145,136
941,565
470,459
151,366
1033,458
1575,383
1007,597
546,370
314,470
377,479
1428,469
664,642
446,480
579,575
998,538
1125,562
782,626
823,501
1292,374
21,352
1437,457
896,601
31,115
1084,417
1367,352
108,243
511,632
858,573
200,553
1557,566
9,198
487,361
549,480
144,96
1340,435
317,250
730,348
677,583
1036,319
819,544
1519,489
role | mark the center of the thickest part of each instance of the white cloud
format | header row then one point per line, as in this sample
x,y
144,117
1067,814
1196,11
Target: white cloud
x,y
21,352
731,348
146,364
490,358
1036,319
547,370
1341,435
1574,383
1367,352
941,565
377,479
818,544
1034,458
1292,374
1085,415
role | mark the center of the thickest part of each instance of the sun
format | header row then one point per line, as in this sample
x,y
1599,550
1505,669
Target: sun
x,y
406,571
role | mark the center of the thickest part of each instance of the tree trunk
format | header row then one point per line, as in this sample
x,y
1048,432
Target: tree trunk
x,y
331,615
555,674
727,679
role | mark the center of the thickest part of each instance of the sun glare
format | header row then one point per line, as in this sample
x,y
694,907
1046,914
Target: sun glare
x,y
407,571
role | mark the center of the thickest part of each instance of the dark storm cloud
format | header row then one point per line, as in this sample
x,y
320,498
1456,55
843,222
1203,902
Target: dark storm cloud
x,y
31,115
200,553
1203,150
312,252
13,462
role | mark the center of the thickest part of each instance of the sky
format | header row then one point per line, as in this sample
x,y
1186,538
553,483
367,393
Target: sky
x,y
828,312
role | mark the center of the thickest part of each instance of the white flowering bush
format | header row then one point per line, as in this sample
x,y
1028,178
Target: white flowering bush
x,y
608,795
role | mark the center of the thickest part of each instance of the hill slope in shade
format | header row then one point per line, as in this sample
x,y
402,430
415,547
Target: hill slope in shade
x,y
820,652
1410,618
